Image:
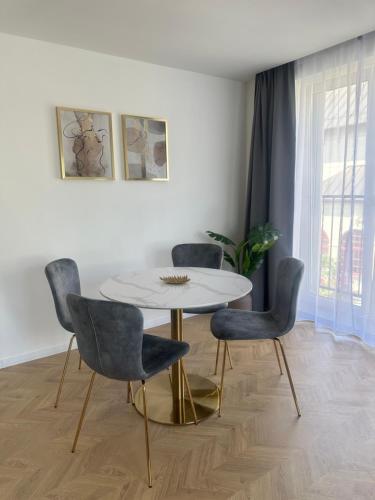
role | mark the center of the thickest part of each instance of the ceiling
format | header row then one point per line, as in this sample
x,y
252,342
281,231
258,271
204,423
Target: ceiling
x,y
229,38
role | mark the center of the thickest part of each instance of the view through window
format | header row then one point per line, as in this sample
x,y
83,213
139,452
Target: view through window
x,y
342,191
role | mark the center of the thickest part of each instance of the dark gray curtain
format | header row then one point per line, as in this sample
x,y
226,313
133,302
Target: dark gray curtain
x,y
271,171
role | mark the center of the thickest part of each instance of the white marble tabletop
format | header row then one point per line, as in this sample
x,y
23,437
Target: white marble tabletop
x,y
207,287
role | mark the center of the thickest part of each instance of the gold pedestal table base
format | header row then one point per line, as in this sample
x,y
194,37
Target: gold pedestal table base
x,y
167,401
160,407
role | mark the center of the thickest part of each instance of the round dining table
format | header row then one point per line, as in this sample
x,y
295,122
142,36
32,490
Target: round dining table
x,y
167,402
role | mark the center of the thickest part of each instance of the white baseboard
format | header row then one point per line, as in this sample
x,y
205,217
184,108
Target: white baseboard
x,y
31,355
151,322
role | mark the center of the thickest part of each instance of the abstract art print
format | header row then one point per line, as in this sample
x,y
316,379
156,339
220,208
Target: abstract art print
x,y
145,148
85,142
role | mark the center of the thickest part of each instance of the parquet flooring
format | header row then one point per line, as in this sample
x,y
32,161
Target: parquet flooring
x,y
257,450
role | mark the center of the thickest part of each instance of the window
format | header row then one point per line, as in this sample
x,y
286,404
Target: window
x,y
343,175
334,218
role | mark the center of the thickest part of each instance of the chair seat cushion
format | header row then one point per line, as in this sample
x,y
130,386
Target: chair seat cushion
x,y
234,324
158,353
206,310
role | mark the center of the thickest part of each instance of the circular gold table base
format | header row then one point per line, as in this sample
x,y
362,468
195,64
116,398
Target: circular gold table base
x,y
160,403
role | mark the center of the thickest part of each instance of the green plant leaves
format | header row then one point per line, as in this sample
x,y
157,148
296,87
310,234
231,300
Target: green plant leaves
x,y
221,238
248,255
229,259
246,262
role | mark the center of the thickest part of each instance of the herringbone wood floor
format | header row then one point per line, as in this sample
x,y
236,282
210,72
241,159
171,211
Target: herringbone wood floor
x,y
258,450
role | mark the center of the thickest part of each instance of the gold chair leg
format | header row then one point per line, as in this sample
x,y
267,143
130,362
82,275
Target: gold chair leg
x,y
289,376
222,379
64,371
217,356
83,412
229,356
80,363
277,355
189,393
146,435
130,397
170,379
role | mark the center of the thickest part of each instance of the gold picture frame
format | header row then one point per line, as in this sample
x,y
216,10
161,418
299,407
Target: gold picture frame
x,y
145,146
85,139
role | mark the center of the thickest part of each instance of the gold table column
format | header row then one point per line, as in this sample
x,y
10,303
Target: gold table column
x,y
167,403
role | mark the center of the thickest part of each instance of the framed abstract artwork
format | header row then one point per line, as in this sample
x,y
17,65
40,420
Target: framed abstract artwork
x,y
145,142
85,143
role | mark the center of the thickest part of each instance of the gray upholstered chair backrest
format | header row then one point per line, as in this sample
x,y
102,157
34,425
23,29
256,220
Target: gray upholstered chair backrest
x,y
197,255
109,336
289,276
63,278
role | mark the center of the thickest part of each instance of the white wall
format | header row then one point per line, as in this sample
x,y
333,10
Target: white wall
x,y
105,226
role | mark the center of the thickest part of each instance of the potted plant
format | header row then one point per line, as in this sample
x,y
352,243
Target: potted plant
x,y
247,255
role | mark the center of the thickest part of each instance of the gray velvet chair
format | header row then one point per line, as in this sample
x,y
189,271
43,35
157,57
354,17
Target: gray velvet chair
x,y
112,343
201,255
232,324
63,278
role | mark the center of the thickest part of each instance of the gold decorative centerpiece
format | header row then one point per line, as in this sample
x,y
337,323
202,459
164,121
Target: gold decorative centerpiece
x,y
175,279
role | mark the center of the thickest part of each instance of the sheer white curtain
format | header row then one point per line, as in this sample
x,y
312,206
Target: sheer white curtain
x,y
334,224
